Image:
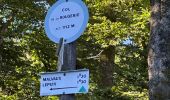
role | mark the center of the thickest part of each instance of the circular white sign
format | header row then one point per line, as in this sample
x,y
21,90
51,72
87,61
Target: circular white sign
x,y
66,19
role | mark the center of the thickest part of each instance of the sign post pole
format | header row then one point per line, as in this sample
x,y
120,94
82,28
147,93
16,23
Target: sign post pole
x,y
65,22
69,63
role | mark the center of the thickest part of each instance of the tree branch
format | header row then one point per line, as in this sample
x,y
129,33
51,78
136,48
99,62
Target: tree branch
x,y
95,57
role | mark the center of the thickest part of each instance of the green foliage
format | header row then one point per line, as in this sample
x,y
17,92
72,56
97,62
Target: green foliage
x,y
123,24
26,51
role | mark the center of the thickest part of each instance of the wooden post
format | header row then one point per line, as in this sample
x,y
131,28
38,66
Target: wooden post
x,y
69,63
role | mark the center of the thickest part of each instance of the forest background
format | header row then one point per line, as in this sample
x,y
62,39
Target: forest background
x,y
113,47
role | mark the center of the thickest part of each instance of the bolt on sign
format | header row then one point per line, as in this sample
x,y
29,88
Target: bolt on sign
x,y
64,82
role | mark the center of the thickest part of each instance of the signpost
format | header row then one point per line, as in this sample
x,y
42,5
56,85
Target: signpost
x,y
64,82
66,20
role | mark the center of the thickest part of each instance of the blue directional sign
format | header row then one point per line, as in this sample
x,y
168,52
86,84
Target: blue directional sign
x,y
64,82
66,19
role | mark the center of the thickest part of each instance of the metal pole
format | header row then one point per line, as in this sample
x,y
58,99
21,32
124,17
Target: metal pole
x,y
69,63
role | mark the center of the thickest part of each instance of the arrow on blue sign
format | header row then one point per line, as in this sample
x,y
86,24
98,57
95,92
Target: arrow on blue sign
x,y
62,88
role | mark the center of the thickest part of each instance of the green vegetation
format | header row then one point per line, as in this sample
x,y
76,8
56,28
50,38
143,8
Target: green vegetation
x,y
118,30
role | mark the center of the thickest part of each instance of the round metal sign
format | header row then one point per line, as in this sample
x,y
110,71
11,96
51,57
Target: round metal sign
x,y
66,19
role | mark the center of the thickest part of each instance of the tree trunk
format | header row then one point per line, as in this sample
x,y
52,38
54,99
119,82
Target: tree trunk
x,y
1,40
107,65
159,51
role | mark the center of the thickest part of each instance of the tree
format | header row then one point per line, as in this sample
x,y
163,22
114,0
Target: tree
x,y
26,51
159,50
112,22
24,48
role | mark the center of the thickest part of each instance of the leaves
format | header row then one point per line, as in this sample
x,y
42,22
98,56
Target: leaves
x,y
26,51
